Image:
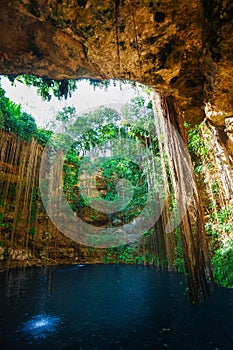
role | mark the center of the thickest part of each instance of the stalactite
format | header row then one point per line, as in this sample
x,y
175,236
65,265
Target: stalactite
x,y
193,236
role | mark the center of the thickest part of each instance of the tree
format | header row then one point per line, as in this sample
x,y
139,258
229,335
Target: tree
x,y
13,119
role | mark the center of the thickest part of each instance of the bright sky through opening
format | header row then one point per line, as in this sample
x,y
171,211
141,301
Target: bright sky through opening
x,y
83,99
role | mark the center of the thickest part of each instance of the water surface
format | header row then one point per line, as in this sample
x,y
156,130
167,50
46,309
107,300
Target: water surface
x,y
109,307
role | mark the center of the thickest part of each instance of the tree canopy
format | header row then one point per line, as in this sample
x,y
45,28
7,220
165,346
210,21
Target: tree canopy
x,y
13,119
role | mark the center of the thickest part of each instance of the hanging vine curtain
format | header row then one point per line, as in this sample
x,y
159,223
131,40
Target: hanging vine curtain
x,y
170,127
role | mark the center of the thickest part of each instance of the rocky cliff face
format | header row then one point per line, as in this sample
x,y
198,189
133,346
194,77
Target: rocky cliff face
x,y
27,236
182,47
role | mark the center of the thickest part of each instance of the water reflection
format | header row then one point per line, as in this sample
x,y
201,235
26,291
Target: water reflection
x,y
109,307
40,326
72,268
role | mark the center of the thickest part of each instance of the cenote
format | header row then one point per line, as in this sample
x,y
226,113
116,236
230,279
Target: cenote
x,y
116,212
109,307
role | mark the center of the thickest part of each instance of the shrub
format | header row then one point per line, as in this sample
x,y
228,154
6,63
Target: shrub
x,y
222,263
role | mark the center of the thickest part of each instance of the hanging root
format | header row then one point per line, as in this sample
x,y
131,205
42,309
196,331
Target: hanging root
x,y
136,40
117,7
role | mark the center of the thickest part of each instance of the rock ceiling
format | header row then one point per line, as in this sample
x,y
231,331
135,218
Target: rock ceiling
x,y
182,47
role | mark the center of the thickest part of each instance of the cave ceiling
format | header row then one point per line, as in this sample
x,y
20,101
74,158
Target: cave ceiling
x,y
181,47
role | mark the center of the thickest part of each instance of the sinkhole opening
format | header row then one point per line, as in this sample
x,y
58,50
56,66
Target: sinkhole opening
x,y
82,176
80,163
100,172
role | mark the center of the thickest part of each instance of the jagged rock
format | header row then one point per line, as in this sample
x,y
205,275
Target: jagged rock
x,y
19,254
184,48
229,127
229,138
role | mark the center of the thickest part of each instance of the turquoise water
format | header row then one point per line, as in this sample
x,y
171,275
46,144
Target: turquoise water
x,y
109,307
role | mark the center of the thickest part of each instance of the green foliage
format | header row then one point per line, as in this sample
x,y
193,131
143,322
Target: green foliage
x,y
66,114
47,88
225,213
32,232
198,168
70,179
221,222
109,256
42,136
116,169
138,259
102,116
98,128
215,187
125,254
210,230
225,218
13,119
151,259
219,226
100,83
6,255
139,114
222,263
179,262
196,145
2,223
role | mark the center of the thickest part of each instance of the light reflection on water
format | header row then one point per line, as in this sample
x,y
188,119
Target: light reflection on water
x,y
40,326
109,307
